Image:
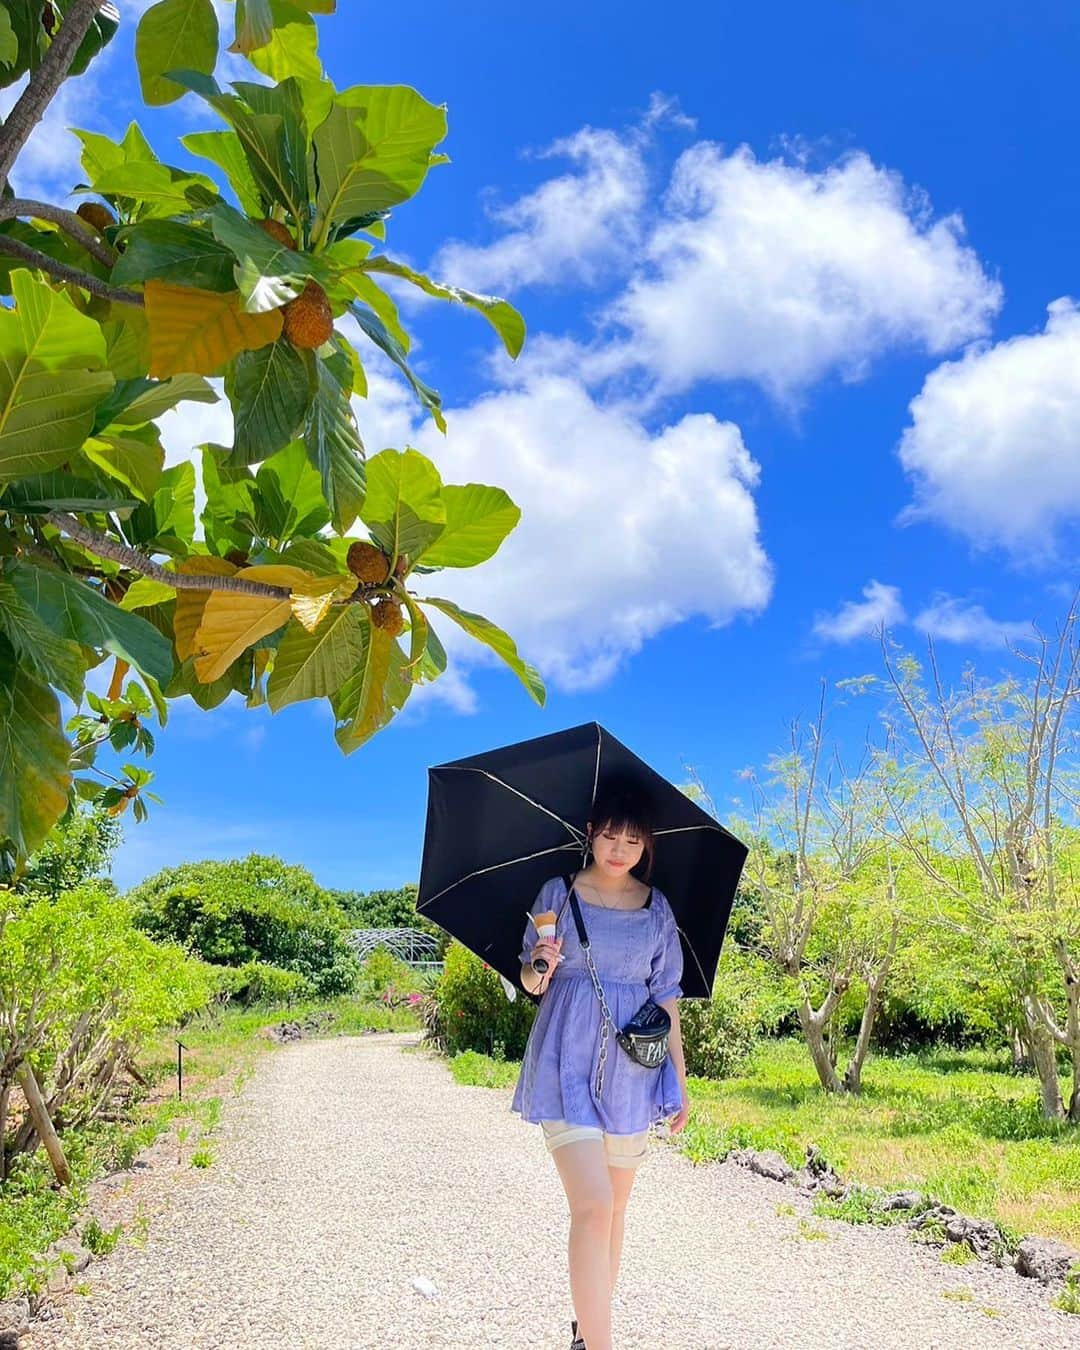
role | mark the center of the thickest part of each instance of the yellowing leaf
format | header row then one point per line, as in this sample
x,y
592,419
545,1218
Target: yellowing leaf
x,y
278,574
190,604
231,622
196,332
311,603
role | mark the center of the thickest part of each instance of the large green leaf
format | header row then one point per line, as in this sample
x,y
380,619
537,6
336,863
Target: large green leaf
x,y
54,660
373,151
158,396
100,154
289,498
403,506
74,610
316,665
34,773
269,122
359,285
172,251
51,378
60,491
374,691
501,643
267,275
333,441
228,518
478,519
9,49
376,330
174,35
293,46
502,316
163,187
224,149
135,459
167,521
271,390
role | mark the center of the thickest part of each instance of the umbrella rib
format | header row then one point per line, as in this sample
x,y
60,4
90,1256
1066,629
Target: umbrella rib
x,y
525,857
683,829
467,768
694,954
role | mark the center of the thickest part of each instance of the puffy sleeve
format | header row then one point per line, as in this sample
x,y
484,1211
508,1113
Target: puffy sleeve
x,y
550,896
667,964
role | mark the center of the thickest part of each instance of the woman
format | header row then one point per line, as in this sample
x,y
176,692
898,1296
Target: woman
x,y
597,1131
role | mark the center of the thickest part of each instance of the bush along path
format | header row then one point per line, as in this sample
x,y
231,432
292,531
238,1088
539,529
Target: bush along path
x,y
359,1197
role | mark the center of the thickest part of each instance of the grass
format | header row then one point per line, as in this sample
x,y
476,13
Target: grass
x,y
221,1052
956,1125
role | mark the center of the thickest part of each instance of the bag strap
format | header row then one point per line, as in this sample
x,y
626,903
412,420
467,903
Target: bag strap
x,y
571,895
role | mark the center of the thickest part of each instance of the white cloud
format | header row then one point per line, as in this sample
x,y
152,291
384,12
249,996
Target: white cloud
x,y
994,444
860,618
574,228
951,620
624,531
772,273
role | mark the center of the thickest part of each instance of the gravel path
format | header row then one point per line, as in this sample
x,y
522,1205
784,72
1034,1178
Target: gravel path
x,y
346,1167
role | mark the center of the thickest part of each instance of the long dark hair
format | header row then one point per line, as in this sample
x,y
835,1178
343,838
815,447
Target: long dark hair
x,y
623,804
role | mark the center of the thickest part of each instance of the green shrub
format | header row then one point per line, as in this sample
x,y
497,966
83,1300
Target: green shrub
x,y
469,1010
382,971
718,1034
258,982
252,909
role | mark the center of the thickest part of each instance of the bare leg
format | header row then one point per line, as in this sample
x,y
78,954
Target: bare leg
x,y
582,1165
622,1180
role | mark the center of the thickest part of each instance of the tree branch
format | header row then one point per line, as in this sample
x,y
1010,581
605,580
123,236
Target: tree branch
x,y
69,222
44,82
113,551
63,272
116,552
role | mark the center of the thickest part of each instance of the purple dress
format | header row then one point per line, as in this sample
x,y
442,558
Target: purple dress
x,y
637,953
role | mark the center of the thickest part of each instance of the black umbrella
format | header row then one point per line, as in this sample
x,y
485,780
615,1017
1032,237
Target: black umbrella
x,y
501,823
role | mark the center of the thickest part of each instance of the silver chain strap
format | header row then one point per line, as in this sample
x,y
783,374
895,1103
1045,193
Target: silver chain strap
x,y
605,1019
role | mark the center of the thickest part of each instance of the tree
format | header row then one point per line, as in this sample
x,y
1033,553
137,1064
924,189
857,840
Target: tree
x,y
76,851
166,276
983,798
250,909
835,904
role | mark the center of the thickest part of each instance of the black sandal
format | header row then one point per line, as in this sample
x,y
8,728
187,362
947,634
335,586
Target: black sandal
x,y
578,1343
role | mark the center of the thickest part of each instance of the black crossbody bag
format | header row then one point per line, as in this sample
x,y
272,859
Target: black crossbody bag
x,y
645,1036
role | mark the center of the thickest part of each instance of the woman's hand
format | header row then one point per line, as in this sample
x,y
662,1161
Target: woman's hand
x,y
678,1121
550,950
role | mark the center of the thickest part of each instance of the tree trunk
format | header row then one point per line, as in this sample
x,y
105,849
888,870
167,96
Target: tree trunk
x,y
875,984
853,1074
5,1097
27,1080
1044,1057
813,1026
1018,1049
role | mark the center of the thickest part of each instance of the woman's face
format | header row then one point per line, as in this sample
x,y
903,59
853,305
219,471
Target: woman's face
x,y
616,852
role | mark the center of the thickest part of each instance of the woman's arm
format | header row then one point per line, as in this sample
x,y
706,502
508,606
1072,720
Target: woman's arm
x,y
675,1045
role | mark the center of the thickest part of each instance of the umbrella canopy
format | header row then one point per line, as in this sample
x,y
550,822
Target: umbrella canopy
x,y
499,824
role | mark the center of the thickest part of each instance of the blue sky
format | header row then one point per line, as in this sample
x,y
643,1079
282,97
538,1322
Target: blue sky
x,y
802,358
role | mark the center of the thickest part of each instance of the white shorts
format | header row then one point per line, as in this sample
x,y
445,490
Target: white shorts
x,y
623,1150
